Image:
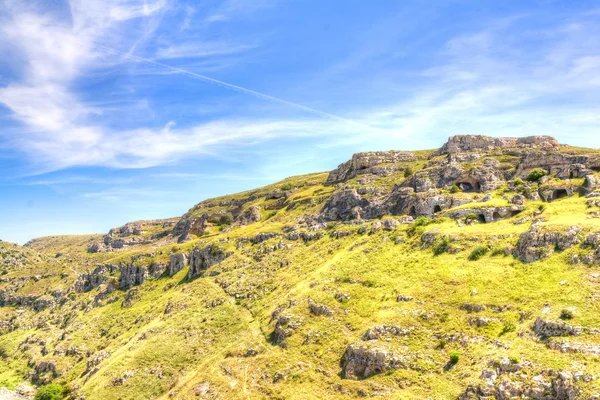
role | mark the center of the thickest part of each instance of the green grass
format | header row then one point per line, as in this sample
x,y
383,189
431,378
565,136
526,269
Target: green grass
x,y
227,349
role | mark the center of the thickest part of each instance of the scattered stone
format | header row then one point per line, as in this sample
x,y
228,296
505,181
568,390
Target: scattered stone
x,y
379,331
545,328
319,309
342,297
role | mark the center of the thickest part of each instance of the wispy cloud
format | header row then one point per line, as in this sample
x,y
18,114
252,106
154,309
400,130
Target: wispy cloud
x,y
198,50
499,81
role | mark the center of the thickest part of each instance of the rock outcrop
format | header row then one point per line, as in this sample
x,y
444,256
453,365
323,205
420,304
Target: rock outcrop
x,y
249,216
344,205
489,214
545,328
487,144
177,263
506,380
132,275
204,258
369,163
361,362
539,242
381,331
91,280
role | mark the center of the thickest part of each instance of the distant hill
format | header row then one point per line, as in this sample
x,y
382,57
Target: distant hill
x,y
469,271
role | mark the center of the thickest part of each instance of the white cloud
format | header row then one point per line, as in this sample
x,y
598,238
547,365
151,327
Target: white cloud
x,y
484,82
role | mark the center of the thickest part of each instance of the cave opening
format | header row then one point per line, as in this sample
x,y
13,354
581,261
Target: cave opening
x,y
559,194
469,186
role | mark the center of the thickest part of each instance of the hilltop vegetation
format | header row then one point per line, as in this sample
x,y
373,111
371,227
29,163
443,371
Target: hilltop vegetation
x,y
433,274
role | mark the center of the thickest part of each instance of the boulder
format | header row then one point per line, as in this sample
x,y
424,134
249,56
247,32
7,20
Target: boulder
x,y
361,361
319,309
285,326
546,328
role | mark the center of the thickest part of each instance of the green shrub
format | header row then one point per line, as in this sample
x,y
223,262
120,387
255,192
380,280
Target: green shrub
x,y
331,226
518,182
508,327
441,246
419,222
53,391
226,219
408,172
454,189
566,314
454,357
498,251
536,174
478,252
287,186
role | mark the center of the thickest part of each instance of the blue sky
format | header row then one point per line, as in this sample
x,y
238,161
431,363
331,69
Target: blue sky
x,y
117,110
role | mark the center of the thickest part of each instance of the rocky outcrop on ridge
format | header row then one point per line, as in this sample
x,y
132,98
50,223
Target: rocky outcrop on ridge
x,y
369,163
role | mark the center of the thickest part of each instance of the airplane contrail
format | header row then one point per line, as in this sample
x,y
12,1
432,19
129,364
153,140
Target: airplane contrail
x,y
232,86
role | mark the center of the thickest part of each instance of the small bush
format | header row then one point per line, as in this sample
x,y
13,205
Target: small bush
x,y
454,189
408,172
542,208
536,174
331,226
226,219
53,391
441,246
454,357
478,252
287,186
498,251
422,221
419,222
508,327
518,182
566,314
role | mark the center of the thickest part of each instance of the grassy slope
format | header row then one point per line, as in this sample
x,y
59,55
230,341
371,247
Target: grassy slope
x,y
173,354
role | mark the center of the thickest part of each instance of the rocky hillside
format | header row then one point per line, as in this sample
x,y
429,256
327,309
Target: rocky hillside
x,y
471,271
